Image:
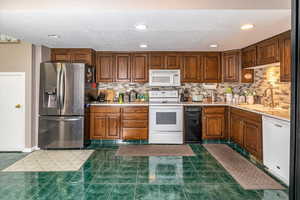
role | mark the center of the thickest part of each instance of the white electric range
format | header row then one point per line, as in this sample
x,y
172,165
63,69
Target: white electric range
x,y
165,117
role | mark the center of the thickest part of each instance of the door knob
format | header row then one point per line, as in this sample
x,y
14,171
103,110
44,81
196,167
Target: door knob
x,y
18,106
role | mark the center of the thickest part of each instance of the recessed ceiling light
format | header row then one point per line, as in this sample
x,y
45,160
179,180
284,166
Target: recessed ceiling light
x,y
213,45
247,26
140,27
53,36
143,45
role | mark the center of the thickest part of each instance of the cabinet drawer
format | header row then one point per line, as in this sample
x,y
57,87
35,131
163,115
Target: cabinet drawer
x,y
135,116
135,123
135,133
105,109
139,109
214,109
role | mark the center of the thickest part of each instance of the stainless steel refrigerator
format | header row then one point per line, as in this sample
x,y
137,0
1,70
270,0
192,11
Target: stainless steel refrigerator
x,y
61,105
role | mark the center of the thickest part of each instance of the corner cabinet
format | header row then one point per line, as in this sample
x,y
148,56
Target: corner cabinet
x,y
285,56
231,64
213,121
245,129
249,56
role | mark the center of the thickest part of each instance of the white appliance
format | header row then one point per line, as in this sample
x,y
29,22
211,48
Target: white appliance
x,y
164,78
276,147
166,118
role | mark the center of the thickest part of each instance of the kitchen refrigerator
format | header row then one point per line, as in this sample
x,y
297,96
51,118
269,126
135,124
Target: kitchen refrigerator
x,y
61,105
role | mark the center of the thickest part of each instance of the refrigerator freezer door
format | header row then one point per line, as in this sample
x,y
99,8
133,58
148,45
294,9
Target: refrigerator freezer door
x,y
72,89
50,74
61,132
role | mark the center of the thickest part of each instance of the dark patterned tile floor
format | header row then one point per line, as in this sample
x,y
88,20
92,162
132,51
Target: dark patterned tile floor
x,y
107,177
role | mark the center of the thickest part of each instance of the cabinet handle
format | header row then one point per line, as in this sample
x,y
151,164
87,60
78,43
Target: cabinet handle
x,y
278,125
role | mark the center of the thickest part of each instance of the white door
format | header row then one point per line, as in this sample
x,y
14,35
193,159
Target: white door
x,y
12,109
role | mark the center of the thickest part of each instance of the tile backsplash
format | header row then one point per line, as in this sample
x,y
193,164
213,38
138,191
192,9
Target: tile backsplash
x,y
264,78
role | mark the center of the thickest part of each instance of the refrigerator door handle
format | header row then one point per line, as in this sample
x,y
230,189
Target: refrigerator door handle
x,y
62,89
62,119
58,79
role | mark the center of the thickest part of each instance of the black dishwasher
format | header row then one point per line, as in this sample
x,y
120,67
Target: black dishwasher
x,y
193,124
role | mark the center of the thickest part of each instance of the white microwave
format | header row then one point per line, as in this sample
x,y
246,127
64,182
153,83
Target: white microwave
x,y
164,77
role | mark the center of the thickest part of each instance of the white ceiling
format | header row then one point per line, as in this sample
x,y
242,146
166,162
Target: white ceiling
x,y
170,30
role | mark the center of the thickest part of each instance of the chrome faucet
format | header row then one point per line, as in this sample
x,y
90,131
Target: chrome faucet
x,y
272,105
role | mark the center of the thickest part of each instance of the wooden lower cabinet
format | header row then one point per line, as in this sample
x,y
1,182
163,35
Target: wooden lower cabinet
x,y
135,123
246,131
110,122
105,123
213,120
253,138
236,128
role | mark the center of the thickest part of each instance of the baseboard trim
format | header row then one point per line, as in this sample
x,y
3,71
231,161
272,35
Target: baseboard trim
x,y
29,150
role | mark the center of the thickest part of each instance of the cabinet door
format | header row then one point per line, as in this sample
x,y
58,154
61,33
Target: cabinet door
x,y
122,68
190,69
285,56
113,126
139,68
231,66
156,61
98,127
60,55
211,68
253,138
268,52
249,56
104,68
172,61
213,126
236,130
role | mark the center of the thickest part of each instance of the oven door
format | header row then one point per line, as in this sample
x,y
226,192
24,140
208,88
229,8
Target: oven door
x,y
166,118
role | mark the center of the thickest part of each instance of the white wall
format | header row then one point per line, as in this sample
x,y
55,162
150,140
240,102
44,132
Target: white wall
x,y
25,57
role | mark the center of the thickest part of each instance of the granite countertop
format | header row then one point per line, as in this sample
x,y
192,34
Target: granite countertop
x,y
259,109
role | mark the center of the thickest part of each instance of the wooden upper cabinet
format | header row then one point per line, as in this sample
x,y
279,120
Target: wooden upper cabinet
x,y
83,56
211,68
60,55
162,60
285,56
74,55
231,66
156,61
249,56
139,68
268,51
191,68
122,68
172,61
104,68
